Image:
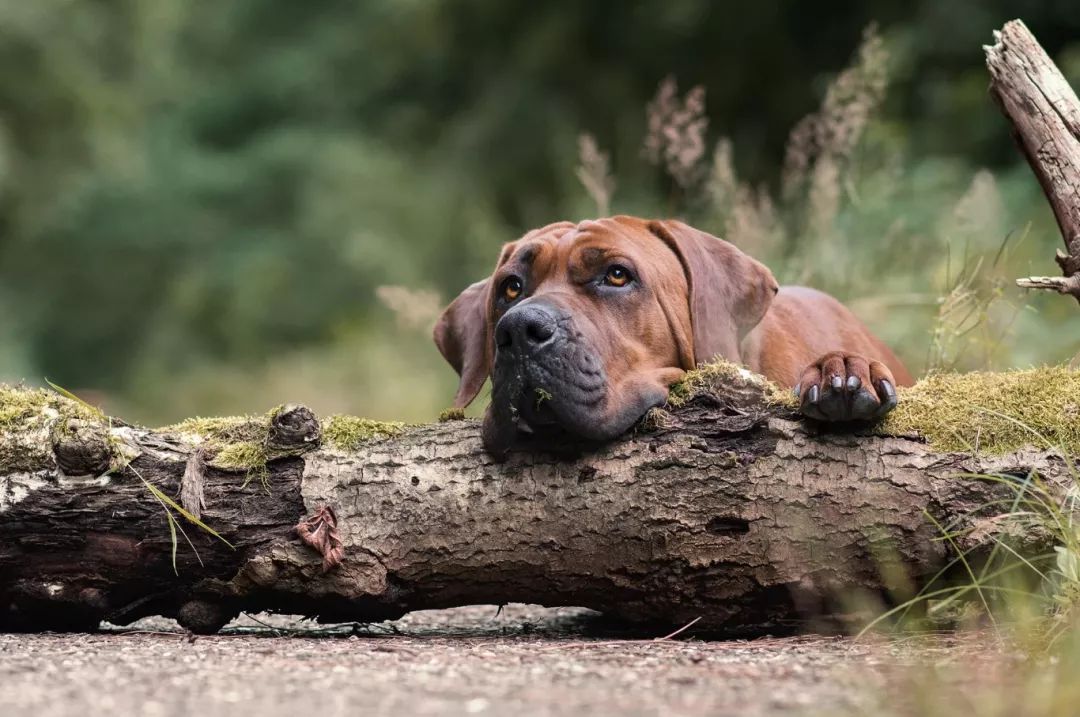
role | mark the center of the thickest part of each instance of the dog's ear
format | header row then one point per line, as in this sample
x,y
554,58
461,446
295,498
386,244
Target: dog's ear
x,y
729,291
463,335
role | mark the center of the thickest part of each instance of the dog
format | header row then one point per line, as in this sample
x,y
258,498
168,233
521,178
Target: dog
x,y
583,327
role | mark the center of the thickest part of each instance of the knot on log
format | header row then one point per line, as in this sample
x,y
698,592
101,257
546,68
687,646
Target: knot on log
x,y
1069,263
293,428
81,447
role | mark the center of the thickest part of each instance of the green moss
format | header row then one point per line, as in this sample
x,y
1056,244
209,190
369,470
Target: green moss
x,y
26,416
240,456
236,443
349,432
542,395
452,414
702,378
239,442
992,412
16,407
20,406
211,428
250,457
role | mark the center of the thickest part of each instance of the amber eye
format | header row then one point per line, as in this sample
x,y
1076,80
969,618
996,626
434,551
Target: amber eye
x,y
617,276
511,288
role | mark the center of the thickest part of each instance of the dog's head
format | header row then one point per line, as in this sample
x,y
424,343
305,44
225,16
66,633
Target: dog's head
x,y
583,327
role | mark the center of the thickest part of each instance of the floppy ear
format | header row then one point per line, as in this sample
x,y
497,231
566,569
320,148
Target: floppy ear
x,y
463,336
729,291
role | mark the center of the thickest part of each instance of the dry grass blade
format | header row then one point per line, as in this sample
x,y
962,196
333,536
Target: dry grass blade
x,y
681,630
168,503
180,509
594,173
172,536
829,137
676,132
413,308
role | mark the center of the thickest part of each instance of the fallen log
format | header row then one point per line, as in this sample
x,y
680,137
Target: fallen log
x,y
724,507
1045,117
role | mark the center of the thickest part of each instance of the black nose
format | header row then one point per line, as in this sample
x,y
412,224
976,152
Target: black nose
x,y
527,326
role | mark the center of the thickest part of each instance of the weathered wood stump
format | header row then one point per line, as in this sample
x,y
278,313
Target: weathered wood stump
x,y
1045,117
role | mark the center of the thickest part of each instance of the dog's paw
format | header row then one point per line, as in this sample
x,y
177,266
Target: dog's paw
x,y
846,387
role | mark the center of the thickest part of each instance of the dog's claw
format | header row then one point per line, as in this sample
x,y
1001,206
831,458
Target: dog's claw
x,y
889,399
846,387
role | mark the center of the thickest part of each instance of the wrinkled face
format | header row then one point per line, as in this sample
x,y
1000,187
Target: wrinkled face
x,y
582,329
587,331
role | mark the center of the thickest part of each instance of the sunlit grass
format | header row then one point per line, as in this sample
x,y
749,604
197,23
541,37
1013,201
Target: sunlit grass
x,y
1022,607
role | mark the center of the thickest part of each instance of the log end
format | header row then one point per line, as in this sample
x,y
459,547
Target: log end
x,y
1011,33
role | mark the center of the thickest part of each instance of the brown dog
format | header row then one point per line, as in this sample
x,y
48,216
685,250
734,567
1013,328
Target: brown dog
x,y
584,327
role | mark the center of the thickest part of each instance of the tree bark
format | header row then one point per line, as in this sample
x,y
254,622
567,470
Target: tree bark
x,y
728,509
1045,117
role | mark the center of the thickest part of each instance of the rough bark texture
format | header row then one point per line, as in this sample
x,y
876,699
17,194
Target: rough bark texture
x,y
1045,116
727,509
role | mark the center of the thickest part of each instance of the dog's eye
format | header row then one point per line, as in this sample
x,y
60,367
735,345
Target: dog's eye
x,y
617,276
511,288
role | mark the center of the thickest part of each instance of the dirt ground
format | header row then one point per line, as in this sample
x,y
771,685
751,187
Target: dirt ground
x,y
523,660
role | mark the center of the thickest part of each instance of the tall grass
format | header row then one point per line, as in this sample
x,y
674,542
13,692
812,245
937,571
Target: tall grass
x,y
1017,613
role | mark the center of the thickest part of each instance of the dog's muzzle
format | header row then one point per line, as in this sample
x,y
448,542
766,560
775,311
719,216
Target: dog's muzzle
x,y
546,378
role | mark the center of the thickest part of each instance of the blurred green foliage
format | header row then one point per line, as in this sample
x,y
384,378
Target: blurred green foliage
x,y
199,200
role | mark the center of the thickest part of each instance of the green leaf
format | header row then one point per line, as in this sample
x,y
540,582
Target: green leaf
x,y
71,396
